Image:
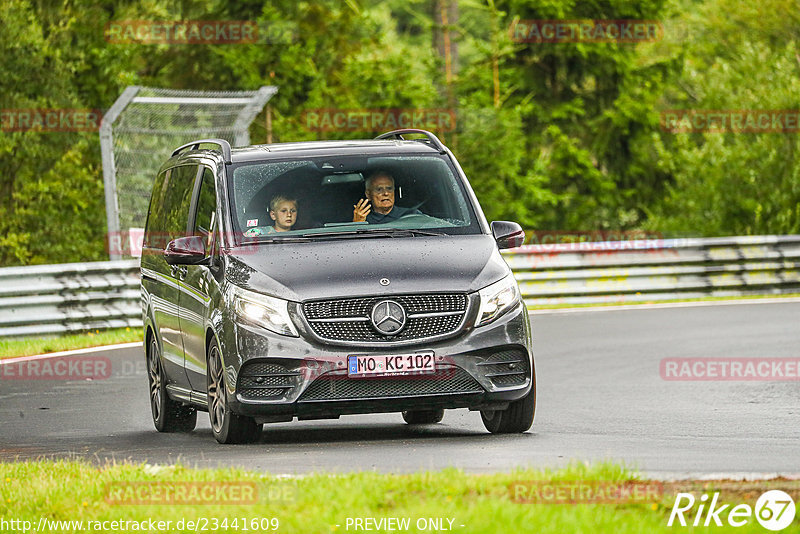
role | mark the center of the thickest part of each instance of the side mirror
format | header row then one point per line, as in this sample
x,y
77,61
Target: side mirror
x,y
507,234
186,251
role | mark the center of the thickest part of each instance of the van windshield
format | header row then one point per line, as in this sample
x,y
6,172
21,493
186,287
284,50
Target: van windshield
x,y
342,196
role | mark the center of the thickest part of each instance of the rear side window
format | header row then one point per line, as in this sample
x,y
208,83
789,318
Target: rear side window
x,y
153,225
169,211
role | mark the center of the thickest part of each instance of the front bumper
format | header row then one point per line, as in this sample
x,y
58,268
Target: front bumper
x,y
276,378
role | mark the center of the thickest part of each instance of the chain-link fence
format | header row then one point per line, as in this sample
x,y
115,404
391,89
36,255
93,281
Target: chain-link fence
x,y
144,126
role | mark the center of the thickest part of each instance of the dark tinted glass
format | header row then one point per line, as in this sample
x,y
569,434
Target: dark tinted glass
x,y
155,219
425,194
206,217
169,209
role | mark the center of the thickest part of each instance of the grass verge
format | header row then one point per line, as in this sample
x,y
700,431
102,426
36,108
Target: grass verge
x,y
11,347
51,491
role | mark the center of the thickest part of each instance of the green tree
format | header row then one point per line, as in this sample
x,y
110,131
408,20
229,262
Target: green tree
x,y
42,173
734,183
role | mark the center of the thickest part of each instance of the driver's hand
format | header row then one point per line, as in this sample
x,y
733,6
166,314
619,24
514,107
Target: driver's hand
x,y
361,210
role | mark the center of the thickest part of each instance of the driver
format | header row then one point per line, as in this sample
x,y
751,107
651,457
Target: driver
x,y
380,195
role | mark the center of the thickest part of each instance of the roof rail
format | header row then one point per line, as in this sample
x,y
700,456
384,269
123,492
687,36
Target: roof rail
x,y
398,134
223,144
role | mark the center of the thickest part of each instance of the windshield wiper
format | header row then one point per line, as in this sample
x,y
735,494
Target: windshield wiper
x,y
412,231
288,239
376,232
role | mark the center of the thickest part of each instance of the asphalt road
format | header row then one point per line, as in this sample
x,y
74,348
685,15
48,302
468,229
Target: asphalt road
x,y
601,397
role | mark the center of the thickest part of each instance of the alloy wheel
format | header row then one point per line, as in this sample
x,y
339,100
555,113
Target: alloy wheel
x,y
216,390
154,370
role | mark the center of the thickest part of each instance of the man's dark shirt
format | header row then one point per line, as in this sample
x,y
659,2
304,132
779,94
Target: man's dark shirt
x,y
397,211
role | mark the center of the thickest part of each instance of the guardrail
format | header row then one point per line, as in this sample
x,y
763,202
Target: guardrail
x,y
657,269
49,299
69,297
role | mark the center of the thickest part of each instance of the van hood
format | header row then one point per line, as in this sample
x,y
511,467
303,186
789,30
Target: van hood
x,y
340,268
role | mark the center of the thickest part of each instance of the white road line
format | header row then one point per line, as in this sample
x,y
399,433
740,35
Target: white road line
x,y
89,350
589,309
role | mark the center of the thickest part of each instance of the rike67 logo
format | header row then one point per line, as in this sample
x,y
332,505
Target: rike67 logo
x,y
774,510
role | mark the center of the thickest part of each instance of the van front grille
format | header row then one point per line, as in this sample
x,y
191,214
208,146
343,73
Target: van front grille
x,y
348,320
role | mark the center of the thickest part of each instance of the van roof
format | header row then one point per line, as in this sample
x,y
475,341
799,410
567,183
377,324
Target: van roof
x,y
327,148
389,142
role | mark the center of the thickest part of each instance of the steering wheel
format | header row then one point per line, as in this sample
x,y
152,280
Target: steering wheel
x,y
418,204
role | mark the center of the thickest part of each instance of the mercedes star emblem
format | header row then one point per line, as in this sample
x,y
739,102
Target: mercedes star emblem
x,y
384,281
388,317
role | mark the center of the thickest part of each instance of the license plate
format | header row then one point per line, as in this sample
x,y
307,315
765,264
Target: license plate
x,y
401,364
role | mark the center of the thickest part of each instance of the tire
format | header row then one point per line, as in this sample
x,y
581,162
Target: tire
x,y
423,417
515,419
226,426
168,414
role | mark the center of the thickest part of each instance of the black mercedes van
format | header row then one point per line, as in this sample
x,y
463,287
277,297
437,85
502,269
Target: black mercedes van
x,y
317,279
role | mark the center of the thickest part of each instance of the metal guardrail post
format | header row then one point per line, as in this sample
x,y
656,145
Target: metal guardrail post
x,y
151,122
109,170
249,113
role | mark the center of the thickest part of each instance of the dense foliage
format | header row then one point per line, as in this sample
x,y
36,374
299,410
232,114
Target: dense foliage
x,y
558,136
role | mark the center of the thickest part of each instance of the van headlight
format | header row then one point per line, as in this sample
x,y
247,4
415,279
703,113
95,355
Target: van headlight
x,y
497,299
268,312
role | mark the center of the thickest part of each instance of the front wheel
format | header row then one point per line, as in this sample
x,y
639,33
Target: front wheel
x,y
168,414
515,419
226,426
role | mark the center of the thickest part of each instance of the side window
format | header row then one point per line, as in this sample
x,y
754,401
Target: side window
x,y
154,228
177,198
205,219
